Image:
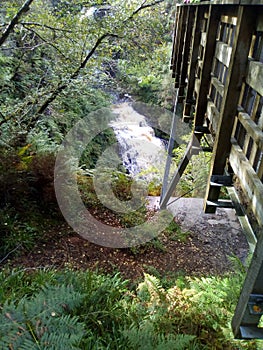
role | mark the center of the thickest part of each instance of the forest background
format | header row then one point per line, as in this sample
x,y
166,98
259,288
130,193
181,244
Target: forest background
x,y
59,61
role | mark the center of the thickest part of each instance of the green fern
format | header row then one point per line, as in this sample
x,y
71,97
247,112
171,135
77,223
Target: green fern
x,y
145,338
153,287
43,321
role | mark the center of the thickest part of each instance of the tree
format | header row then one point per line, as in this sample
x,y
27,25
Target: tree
x,y
55,45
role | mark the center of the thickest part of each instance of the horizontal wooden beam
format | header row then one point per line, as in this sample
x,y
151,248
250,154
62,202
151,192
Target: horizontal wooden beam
x,y
218,85
252,129
250,182
223,53
225,2
255,76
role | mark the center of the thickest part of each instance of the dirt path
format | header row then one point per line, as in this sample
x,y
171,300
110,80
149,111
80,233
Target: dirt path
x,y
201,247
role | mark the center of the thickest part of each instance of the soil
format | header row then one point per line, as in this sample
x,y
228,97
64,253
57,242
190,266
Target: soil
x,y
202,247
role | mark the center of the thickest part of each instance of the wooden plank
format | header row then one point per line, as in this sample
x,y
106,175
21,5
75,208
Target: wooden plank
x,y
243,219
200,64
260,168
181,38
229,20
251,2
203,39
254,273
253,154
252,128
199,13
260,121
260,22
223,53
197,85
255,76
186,51
174,49
221,203
178,34
250,332
249,180
226,2
255,107
237,71
213,115
202,92
218,86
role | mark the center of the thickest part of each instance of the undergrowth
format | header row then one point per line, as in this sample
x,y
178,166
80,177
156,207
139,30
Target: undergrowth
x,y
49,309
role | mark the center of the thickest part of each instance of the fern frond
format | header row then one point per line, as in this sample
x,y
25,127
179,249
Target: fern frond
x,y
154,288
43,321
146,338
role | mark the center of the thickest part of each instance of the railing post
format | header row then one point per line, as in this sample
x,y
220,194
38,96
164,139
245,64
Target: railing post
x,y
209,49
189,101
185,53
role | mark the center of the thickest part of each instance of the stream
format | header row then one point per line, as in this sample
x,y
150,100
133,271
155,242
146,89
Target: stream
x,y
143,154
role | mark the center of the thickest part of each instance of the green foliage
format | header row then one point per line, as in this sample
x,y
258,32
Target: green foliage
x,y
57,55
16,234
48,309
174,232
194,179
145,77
26,178
202,308
95,148
43,321
121,189
145,338
86,309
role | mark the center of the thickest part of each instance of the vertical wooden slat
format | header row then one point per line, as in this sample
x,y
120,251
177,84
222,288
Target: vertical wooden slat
x,y
255,107
212,26
178,34
175,39
199,13
186,52
181,41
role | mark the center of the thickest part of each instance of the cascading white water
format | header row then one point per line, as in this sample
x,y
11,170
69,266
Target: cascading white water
x,y
142,153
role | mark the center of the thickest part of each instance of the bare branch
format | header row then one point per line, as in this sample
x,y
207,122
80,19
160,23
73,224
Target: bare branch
x,y
12,251
14,21
36,24
143,6
45,41
25,48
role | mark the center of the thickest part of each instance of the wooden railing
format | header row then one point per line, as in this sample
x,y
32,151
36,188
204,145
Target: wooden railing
x,y
217,63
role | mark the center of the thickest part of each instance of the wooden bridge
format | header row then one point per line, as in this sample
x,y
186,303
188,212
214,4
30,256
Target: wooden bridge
x,y
217,63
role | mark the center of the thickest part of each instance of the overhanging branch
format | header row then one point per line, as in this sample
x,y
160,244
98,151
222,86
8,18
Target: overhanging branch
x,y
144,6
75,74
41,25
14,21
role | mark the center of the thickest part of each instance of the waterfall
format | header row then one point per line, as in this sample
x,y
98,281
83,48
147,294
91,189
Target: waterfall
x,y
142,153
